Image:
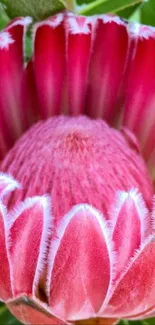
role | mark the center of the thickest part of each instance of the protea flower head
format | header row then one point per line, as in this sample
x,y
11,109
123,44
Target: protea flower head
x,y
77,171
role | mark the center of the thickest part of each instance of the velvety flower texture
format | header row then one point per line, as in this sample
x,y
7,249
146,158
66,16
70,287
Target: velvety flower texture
x,y
76,190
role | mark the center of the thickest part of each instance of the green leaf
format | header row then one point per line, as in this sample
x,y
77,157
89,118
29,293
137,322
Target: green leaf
x,y
80,2
140,322
4,19
136,322
102,6
150,321
28,47
129,11
38,9
148,13
6,318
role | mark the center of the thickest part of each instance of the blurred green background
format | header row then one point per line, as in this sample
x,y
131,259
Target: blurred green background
x,y
133,10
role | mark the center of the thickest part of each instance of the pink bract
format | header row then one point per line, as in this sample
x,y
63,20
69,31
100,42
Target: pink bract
x,y
77,218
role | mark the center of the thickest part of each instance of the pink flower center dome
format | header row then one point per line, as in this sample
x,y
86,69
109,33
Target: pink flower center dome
x,y
76,160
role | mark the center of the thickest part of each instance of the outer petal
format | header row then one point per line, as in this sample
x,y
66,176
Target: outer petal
x,y
80,264
144,315
11,72
32,311
140,89
50,64
131,226
5,283
107,66
99,321
136,290
30,96
78,57
28,240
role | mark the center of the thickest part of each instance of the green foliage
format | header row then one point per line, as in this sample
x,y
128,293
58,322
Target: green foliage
x,y
148,13
100,6
38,9
129,11
3,17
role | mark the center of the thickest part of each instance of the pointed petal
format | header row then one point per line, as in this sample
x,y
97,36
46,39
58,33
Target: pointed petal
x,y
28,238
78,57
11,72
7,185
49,64
5,282
131,226
31,311
135,292
30,96
107,66
140,88
80,264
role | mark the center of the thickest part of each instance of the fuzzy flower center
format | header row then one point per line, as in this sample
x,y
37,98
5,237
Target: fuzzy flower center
x,y
76,160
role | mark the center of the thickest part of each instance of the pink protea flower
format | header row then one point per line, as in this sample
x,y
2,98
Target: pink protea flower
x,y
77,218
